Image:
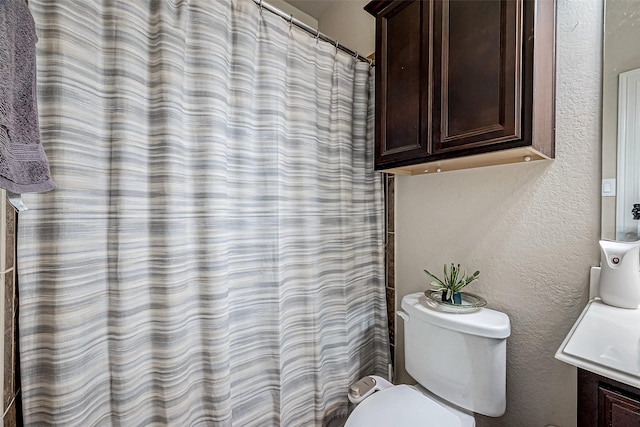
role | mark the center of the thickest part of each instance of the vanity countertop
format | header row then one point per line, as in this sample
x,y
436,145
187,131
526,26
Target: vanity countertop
x,y
605,340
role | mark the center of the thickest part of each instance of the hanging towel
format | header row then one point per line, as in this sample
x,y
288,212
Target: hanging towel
x,y
23,163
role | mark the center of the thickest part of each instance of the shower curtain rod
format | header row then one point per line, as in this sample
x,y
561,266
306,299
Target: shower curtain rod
x,y
313,31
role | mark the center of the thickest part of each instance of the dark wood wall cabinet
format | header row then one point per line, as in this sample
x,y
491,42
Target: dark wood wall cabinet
x,y
463,83
605,402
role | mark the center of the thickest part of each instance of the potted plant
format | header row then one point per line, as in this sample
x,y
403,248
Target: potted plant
x,y
453,281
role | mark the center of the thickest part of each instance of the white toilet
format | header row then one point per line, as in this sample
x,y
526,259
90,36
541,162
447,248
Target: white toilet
x,y
459,361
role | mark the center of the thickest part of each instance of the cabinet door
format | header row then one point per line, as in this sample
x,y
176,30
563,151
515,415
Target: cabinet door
x,y
603,402
402,81
478,55
617,410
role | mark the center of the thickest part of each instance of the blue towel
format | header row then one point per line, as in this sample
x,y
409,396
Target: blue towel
x,y
23,163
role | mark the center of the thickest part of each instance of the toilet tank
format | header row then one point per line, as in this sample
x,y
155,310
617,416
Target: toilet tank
x,y
460,357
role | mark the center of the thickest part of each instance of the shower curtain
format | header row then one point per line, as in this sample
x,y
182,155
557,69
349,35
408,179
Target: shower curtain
x,y
213,253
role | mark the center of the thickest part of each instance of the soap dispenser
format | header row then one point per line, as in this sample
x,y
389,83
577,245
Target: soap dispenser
x,y
620,276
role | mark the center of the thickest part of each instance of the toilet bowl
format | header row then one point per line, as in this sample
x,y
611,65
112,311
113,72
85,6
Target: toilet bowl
x,y
459,361
407,406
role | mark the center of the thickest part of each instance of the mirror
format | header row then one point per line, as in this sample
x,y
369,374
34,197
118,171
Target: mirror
x,y
621,54
628,191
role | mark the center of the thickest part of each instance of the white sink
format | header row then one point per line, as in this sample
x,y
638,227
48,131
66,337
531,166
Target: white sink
x,y
605,340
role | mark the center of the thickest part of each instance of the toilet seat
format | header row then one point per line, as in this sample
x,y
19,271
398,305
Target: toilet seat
x,y
406,406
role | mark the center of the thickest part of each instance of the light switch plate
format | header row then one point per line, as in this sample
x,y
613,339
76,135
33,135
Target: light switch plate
x,y
608,187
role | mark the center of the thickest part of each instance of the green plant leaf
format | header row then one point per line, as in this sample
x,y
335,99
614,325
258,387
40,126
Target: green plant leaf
x,y
453,280
440,283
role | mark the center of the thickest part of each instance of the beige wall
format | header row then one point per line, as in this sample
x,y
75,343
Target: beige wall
x,y
350,25
297,13
531,229
621,54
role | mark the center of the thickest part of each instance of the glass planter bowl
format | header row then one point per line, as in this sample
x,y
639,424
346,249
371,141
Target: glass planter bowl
x,y
469,302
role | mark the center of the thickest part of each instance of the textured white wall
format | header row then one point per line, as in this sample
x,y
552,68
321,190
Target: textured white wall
x,y
531,229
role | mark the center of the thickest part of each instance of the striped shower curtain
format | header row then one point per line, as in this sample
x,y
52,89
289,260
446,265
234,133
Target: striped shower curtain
x,y
213,253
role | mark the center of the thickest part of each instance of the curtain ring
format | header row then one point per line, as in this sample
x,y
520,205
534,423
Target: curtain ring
x,y
370,62
337,45
290,20
318,35
260,6
355,57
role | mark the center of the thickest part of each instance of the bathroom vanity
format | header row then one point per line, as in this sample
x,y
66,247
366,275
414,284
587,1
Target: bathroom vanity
x,y
606,402
603,345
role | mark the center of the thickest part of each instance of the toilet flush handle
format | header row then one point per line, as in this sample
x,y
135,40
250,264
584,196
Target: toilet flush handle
x,y
404,316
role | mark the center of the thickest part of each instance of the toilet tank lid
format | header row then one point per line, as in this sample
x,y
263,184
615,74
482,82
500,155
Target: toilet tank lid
x,y
484,322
